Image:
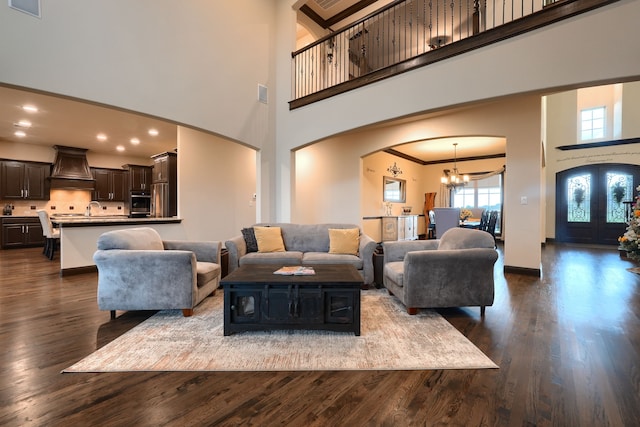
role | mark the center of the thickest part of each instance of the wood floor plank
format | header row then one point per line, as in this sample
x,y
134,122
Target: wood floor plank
x,y
567,344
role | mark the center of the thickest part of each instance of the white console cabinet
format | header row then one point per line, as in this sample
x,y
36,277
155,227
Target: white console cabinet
x,y
403,227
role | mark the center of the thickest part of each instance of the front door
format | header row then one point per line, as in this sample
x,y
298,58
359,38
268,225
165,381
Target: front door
x,y
592,202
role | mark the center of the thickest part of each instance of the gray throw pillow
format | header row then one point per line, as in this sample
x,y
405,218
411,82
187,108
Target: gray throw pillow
x,y
250,239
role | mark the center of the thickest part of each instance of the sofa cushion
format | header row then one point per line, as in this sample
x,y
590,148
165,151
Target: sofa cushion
x,y
140,238
325,258
249,236
306,237
269,239
344,241
206,272
281,258
394,271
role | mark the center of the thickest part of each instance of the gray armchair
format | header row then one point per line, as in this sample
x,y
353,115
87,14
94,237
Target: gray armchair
x,y
137,270
454,271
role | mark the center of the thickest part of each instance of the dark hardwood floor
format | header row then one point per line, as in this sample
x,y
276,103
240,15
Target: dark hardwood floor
x,y
568,347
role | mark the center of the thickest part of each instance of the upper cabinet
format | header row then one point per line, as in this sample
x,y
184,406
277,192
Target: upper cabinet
x,y
165,167
110,185
24,180
140,177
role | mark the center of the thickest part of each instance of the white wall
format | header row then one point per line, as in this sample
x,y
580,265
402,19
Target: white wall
x,y
197,62
331,185
216,183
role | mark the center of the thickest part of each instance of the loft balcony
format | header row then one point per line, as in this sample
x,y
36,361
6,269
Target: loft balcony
x,y
409,34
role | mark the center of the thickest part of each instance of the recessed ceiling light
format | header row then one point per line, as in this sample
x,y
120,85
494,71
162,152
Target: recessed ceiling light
x,y
101,137
30,108
24,124
120,148
20,134
135,141
153,132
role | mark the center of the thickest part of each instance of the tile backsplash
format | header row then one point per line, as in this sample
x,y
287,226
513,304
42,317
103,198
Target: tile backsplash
x,y
65,201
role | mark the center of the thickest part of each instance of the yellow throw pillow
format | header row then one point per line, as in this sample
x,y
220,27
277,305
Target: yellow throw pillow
x,y
344,241
269,239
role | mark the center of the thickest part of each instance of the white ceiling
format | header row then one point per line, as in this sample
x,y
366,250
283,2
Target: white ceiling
x,y
62,121
434,150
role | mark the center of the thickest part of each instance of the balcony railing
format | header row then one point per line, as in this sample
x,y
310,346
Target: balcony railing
x,y
411,33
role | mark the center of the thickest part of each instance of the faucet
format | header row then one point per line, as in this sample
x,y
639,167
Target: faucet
x,y
88,211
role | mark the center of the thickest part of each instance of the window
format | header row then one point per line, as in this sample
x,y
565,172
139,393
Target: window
x,y
483,193
592,123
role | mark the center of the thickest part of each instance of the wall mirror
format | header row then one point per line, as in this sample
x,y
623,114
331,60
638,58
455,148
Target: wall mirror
x,y
394,190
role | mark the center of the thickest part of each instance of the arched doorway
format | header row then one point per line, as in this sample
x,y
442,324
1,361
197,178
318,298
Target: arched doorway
x,y
590,202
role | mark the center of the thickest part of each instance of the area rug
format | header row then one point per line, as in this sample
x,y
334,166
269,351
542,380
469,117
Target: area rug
x,y
390,340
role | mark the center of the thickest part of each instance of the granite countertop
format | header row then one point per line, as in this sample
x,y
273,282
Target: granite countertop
x,y
102,220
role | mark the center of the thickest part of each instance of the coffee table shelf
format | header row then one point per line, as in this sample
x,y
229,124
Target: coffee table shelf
x,y
255,299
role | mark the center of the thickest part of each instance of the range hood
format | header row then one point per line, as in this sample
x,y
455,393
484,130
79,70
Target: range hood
x,y
71,170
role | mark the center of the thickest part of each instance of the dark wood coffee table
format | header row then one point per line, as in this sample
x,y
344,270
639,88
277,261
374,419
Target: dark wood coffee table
x,y
257,299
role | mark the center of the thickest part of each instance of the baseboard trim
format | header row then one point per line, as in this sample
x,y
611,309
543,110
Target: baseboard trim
x,y
78,270
523,270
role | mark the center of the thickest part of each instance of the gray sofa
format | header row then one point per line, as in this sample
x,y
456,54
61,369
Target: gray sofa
x,y
454,271
137,270
305,244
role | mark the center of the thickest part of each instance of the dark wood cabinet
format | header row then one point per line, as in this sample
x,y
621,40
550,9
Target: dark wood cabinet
x,y
20,232
140,177
165,167
24,180
110,185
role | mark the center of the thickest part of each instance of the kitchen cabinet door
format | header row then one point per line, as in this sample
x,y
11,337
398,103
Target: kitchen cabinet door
x,y
165,168
140,178
110,185
21,232
24,180
119,186
102,191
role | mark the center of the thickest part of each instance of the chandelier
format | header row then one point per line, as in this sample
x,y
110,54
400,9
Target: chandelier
x,y
453,179
394,170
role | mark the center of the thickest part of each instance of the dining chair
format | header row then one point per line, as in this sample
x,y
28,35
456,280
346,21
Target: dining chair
x,y
446,218
52,235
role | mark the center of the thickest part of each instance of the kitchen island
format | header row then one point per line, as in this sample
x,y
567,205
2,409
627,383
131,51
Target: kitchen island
x,y
79,234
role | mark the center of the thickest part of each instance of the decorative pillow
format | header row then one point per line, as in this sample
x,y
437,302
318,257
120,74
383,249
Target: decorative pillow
x,y
269,239
344,241
250,239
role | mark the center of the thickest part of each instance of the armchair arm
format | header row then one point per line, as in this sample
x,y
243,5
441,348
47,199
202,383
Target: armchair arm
x,y
396,250
205,251
237,248
366,249
449,276
145,279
